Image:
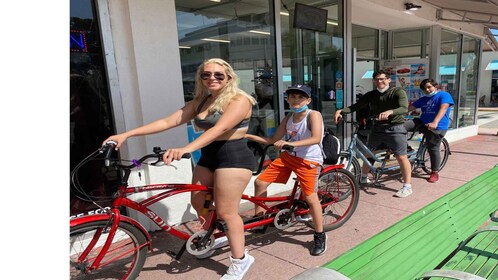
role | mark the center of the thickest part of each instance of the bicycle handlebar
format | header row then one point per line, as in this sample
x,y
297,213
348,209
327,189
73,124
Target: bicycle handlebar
x,y
109,146
289,148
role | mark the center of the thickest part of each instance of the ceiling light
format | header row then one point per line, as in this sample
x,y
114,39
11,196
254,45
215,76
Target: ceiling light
x,y
412,7
215,40
260,32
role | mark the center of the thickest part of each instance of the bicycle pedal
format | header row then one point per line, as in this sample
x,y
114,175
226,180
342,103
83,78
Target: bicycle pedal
x,y
221,225
259,229
304,218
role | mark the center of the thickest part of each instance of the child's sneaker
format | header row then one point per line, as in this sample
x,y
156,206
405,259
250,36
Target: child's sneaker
x,y
238,267
319,244
218,243
434,177
364,180
404,192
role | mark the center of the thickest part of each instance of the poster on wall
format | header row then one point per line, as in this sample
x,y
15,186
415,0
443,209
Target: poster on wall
x,y
407,75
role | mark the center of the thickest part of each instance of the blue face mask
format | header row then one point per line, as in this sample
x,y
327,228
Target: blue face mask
x,y
432,93
299,110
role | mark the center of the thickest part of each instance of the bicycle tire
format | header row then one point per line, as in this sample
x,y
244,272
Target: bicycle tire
x,y
338,192
445,153
125,257
351,164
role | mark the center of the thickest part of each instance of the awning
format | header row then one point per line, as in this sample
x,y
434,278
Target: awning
x,y
368,74
447,70
493,65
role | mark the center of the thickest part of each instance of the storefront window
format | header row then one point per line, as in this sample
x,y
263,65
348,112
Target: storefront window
x,y
410,44
315,58
90,113
469,77
450,48
365,40
243,34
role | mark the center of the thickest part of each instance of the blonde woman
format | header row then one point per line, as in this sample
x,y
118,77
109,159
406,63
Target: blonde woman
x,y
223,111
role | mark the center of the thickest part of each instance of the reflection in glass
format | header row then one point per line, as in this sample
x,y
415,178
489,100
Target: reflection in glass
x,y
450,48
469,77
240,32
90,112
315,58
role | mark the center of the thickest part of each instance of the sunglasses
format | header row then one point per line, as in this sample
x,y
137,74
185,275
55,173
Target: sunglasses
x,y
217,75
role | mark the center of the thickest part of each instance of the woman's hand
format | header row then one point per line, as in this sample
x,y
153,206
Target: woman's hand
x,y
173,154
118,138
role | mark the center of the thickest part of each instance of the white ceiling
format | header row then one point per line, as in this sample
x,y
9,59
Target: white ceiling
x,y
449,13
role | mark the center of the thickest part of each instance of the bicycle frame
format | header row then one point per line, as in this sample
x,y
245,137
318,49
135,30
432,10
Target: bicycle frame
x,y
100,243
358,149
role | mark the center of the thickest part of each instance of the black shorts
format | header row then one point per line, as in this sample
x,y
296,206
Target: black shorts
x,y
227,154
391,137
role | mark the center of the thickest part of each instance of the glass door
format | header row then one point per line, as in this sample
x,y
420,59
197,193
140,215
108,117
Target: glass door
x,y
315,57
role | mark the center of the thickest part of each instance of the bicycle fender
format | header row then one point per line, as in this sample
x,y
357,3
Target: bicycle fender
x,y
106,217
331,167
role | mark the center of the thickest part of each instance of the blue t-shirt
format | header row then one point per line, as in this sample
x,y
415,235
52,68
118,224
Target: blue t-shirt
x,y
430,107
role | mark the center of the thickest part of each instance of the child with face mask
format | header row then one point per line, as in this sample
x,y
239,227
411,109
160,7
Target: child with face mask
x,y
305,134
433,122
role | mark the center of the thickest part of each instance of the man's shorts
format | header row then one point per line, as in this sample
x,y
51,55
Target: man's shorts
x,y
280,169
392,137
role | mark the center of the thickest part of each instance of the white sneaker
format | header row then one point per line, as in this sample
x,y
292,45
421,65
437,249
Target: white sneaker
x,y
238,268
218,243
404,192
365,180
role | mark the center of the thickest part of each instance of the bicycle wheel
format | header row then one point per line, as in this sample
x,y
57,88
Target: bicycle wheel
x,y
351,164
444,151
124,259
338,192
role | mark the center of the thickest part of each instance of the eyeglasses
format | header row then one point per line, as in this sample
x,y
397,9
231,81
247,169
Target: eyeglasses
x,y
217,75
380,79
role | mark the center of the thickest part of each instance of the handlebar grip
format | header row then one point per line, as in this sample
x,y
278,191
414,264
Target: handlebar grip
x,y
110,146
288,148
187,155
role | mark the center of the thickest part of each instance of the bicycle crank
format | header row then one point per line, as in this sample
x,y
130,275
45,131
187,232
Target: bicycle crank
x,y
193,243
283,219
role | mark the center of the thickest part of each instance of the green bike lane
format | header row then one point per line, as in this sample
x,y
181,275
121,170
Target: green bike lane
x,y
282,254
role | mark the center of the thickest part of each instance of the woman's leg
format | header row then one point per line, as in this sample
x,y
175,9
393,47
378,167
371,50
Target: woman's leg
x,y
229,184
201,176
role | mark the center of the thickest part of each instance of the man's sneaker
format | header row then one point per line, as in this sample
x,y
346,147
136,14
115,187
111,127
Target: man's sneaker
x,y
304,218
434,177
238,267
404,192
364,180
218,243
319,244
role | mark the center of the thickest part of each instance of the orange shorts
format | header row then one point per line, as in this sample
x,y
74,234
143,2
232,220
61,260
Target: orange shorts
x,y
280,169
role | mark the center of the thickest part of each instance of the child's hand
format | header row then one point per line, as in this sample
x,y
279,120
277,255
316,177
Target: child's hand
x,y
280,143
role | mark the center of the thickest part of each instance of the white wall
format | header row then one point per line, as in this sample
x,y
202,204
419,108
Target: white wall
x,y
149,70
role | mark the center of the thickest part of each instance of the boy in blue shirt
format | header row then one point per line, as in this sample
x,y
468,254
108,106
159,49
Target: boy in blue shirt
x,y
433,122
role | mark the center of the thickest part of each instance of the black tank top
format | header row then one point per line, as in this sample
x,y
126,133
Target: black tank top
x,y
212,118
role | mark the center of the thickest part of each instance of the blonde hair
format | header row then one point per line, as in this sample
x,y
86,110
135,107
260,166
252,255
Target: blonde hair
x,y
227,93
